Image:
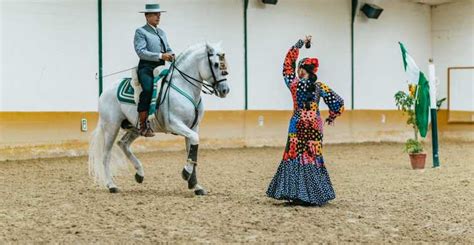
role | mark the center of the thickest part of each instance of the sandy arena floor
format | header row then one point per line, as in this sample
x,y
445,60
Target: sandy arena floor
x,y
379,199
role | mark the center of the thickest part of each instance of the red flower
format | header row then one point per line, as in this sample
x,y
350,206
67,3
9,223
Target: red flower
x,y
311,61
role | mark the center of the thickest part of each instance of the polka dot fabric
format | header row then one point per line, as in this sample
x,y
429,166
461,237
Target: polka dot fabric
x,y
302,175
301,182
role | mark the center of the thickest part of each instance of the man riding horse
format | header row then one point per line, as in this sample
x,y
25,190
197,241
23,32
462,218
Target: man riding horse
x,y
151,46
202,68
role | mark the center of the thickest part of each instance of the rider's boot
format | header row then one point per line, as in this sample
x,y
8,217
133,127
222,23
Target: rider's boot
x,y
145,129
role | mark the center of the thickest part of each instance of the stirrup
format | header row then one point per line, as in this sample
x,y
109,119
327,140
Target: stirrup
x,y
146,131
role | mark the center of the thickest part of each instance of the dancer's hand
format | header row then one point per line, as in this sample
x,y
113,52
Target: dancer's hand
x,y
307,41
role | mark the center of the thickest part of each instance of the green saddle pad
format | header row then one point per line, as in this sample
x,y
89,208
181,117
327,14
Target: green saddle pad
x,y
125,90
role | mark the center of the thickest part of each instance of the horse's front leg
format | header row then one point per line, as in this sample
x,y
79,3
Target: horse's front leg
x,y
189,172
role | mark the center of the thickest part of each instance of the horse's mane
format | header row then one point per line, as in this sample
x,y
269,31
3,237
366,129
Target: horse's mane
x,y
192,49
183,56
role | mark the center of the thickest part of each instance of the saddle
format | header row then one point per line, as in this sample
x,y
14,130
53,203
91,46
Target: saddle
x,y
129,89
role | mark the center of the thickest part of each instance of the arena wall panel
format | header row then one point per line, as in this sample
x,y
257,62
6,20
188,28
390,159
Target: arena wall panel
x,y
378,62
453,43
273,29
49,55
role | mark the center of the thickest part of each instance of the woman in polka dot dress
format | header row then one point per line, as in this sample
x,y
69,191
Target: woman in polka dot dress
x,y
302,177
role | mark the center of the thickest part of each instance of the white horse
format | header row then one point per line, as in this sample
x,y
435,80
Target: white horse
x,y
201,66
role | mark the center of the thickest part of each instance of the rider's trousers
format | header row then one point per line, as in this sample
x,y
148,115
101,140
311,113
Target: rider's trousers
x,y
145,76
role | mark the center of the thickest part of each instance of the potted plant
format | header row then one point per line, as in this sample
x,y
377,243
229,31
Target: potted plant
x,y
406,103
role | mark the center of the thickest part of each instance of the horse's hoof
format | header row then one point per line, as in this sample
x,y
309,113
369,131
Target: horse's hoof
x,y
139,178
114,190
200,192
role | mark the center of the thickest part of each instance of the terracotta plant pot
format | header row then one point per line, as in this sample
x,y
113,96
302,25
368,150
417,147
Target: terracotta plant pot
x,y
417,160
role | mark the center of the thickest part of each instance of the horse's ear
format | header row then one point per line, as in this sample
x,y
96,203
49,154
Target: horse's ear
x,y
209,48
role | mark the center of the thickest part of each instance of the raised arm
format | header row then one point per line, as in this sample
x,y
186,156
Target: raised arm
x,y
289,65
333,100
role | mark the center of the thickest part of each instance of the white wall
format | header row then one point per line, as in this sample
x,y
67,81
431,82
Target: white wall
x,y
453,45
273,29
186,22
49,55
2,36
378,62
49,50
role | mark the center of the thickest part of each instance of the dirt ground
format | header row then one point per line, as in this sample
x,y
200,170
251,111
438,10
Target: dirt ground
x,y
378,199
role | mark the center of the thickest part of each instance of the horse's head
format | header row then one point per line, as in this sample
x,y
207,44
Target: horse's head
x,y
214,69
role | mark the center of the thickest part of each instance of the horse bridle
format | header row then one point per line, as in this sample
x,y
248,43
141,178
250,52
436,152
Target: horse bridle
x,y
216,82
208,89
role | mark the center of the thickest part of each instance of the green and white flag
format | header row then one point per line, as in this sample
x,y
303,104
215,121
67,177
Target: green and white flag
x,y
422,103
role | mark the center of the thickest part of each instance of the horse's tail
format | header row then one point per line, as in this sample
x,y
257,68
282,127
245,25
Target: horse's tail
x,y
97,152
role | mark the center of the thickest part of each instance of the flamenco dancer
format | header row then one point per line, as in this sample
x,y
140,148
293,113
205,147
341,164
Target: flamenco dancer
x,y
302,177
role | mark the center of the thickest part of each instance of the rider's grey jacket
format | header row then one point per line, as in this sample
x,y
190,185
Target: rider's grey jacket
x,y
150,43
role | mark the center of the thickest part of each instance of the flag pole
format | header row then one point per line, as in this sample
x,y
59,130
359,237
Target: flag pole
x,y
434,117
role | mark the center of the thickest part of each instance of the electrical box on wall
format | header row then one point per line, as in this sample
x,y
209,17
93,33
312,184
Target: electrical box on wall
x,y
84,125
